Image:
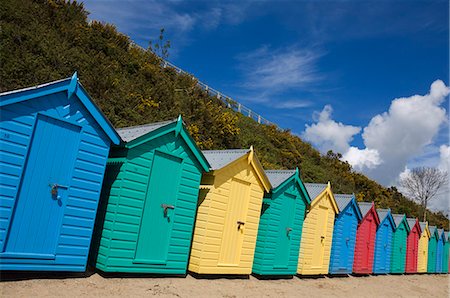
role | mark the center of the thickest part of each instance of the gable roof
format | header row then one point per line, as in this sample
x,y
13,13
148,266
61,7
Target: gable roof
x,y
220,159
386,214
433,231
441,233
128,134
279,178
316,189
398,219
73,87
136,135
343,200
365,207
412,222
424,227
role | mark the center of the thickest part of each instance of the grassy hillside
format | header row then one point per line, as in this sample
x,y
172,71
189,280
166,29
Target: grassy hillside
x,y
41,41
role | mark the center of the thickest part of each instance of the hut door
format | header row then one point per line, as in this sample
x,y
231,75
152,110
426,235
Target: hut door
x,y
346,233
234,227
34,230
321,231
386,239
366,256
283,245
159,209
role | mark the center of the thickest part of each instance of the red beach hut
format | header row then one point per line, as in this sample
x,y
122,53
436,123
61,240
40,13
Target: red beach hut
x,y
412,245
365,239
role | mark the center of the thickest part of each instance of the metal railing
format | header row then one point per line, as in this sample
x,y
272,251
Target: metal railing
x,y
229,102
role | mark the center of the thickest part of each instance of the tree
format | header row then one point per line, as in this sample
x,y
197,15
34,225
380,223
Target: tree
x,y
422,184
160,47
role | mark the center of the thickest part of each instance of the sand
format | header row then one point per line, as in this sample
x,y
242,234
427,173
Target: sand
x,y
96,286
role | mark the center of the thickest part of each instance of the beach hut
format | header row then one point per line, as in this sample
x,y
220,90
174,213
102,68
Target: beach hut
x,y
440,250
229,209
54,145
445,258
344,234
365,239
280,225
383,242
422,258
150,195
432,246
412,245
398,256
317,235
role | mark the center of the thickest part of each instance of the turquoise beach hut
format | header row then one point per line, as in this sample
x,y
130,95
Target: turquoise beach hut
x,y
281,224
150,200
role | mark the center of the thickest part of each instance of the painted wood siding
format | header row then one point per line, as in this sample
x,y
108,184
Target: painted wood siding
x,y
439,255
344,239
432,245
398,257
265,262
127,193
445,257
210,243
365,244
75,230
412,249
383,248
313,258
422,257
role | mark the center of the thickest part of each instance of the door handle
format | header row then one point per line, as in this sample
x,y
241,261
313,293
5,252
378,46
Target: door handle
x,y
166,207
240,223
288,230
322,238
54,190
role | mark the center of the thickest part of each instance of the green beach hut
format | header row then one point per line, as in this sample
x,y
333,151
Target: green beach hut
x,y
281,224
432,247
398,253
150,194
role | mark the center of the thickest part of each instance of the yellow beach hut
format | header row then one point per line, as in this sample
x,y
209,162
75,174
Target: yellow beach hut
x,y
228,213
422,256
315,247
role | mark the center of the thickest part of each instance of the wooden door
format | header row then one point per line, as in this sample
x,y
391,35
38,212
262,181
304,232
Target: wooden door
x,y
234,226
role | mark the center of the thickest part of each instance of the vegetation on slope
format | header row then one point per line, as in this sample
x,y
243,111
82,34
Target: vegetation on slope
x,y
42,41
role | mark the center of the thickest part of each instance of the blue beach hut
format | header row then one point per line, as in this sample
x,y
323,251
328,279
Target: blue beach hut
x,y
54,145
344,234
383,242
440,250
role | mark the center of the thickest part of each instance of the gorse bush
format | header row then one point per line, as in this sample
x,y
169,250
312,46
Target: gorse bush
x,y
42,41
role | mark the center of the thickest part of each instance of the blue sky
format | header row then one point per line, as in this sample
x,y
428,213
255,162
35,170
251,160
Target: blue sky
x,y
331,65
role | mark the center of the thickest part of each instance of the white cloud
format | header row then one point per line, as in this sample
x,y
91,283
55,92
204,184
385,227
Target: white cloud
x,y
327,134
402,133
279,69
362,158
444,164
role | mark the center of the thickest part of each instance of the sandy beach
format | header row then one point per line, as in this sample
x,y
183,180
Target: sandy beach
x,y
97,285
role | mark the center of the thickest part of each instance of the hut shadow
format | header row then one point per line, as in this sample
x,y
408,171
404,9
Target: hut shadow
x,y
137,275
315,276
219,276
30,275
340,275
272,277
